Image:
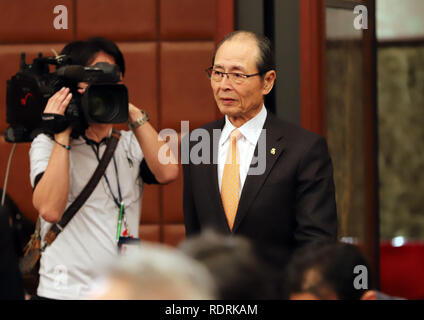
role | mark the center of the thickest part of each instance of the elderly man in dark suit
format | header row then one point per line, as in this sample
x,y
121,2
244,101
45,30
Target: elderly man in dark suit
x,y
267,179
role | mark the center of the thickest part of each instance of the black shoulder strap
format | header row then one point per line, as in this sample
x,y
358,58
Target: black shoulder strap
x,y
86,192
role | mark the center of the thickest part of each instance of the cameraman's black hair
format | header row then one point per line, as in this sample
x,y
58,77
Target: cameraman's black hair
x,y
78,51
83,52
109,47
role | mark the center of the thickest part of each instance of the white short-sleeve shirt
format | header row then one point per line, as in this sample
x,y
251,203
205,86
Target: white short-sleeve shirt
x,y
69,266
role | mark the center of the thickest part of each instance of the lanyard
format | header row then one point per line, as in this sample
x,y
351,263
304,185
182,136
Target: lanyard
x,y
118,201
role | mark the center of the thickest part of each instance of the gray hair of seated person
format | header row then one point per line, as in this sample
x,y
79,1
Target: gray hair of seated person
x,y
159,272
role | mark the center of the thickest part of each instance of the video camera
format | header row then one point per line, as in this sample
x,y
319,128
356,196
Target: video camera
x,y
104,101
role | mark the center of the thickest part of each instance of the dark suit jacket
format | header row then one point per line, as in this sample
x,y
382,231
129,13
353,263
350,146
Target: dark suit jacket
x,y
291,204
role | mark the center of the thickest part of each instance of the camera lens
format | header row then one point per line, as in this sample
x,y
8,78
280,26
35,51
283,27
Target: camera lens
x,y
103,106
106,103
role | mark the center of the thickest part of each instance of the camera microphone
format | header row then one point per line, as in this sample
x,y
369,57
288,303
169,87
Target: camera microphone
x,y
73,72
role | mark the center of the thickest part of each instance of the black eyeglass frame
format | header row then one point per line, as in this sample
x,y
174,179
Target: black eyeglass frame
x,y
244,76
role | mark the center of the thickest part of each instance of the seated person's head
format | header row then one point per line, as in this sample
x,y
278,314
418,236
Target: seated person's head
x,y
327,272
232,262
155,272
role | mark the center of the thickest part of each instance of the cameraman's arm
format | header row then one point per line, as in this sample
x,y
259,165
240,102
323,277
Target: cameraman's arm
x,y
150,144
51,193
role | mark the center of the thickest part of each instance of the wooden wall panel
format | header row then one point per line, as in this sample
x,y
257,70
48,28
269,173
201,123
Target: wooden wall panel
x,y
173,204
173,234
312,65
185,89
167,45
141,77
117,19
28,21
151,205
188,19
148,232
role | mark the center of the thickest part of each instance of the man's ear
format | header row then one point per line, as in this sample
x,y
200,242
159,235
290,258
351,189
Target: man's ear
x,y
269,80
369,295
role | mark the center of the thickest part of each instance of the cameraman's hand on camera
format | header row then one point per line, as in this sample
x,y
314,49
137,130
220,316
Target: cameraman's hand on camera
x,y
57,104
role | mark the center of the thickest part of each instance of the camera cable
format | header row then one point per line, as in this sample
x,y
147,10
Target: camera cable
x,y
3,197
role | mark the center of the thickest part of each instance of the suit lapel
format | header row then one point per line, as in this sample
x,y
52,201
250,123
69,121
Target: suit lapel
x,y
274,148
212,177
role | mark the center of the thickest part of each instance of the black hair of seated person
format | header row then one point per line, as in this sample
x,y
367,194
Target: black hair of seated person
x,y
237,271
83,52
274,260
320,269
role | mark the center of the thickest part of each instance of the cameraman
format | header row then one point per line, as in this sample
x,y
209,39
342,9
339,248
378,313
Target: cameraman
x,y
60,168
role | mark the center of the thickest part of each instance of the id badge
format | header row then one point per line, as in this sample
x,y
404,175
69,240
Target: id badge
x,y
127,244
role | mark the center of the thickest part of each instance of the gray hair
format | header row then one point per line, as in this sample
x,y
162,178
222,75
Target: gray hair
x,y
156,271
265,61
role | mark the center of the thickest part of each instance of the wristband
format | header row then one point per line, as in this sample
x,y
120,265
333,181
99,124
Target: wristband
x,y
63,145
140,121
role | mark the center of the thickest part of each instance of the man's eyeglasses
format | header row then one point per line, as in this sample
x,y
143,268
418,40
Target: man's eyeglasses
x,y
234,77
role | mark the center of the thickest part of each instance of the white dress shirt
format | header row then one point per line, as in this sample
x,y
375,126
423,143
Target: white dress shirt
x,y
246,144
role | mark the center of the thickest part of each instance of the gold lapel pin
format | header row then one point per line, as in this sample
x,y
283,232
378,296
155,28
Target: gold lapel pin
x,y
272,151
